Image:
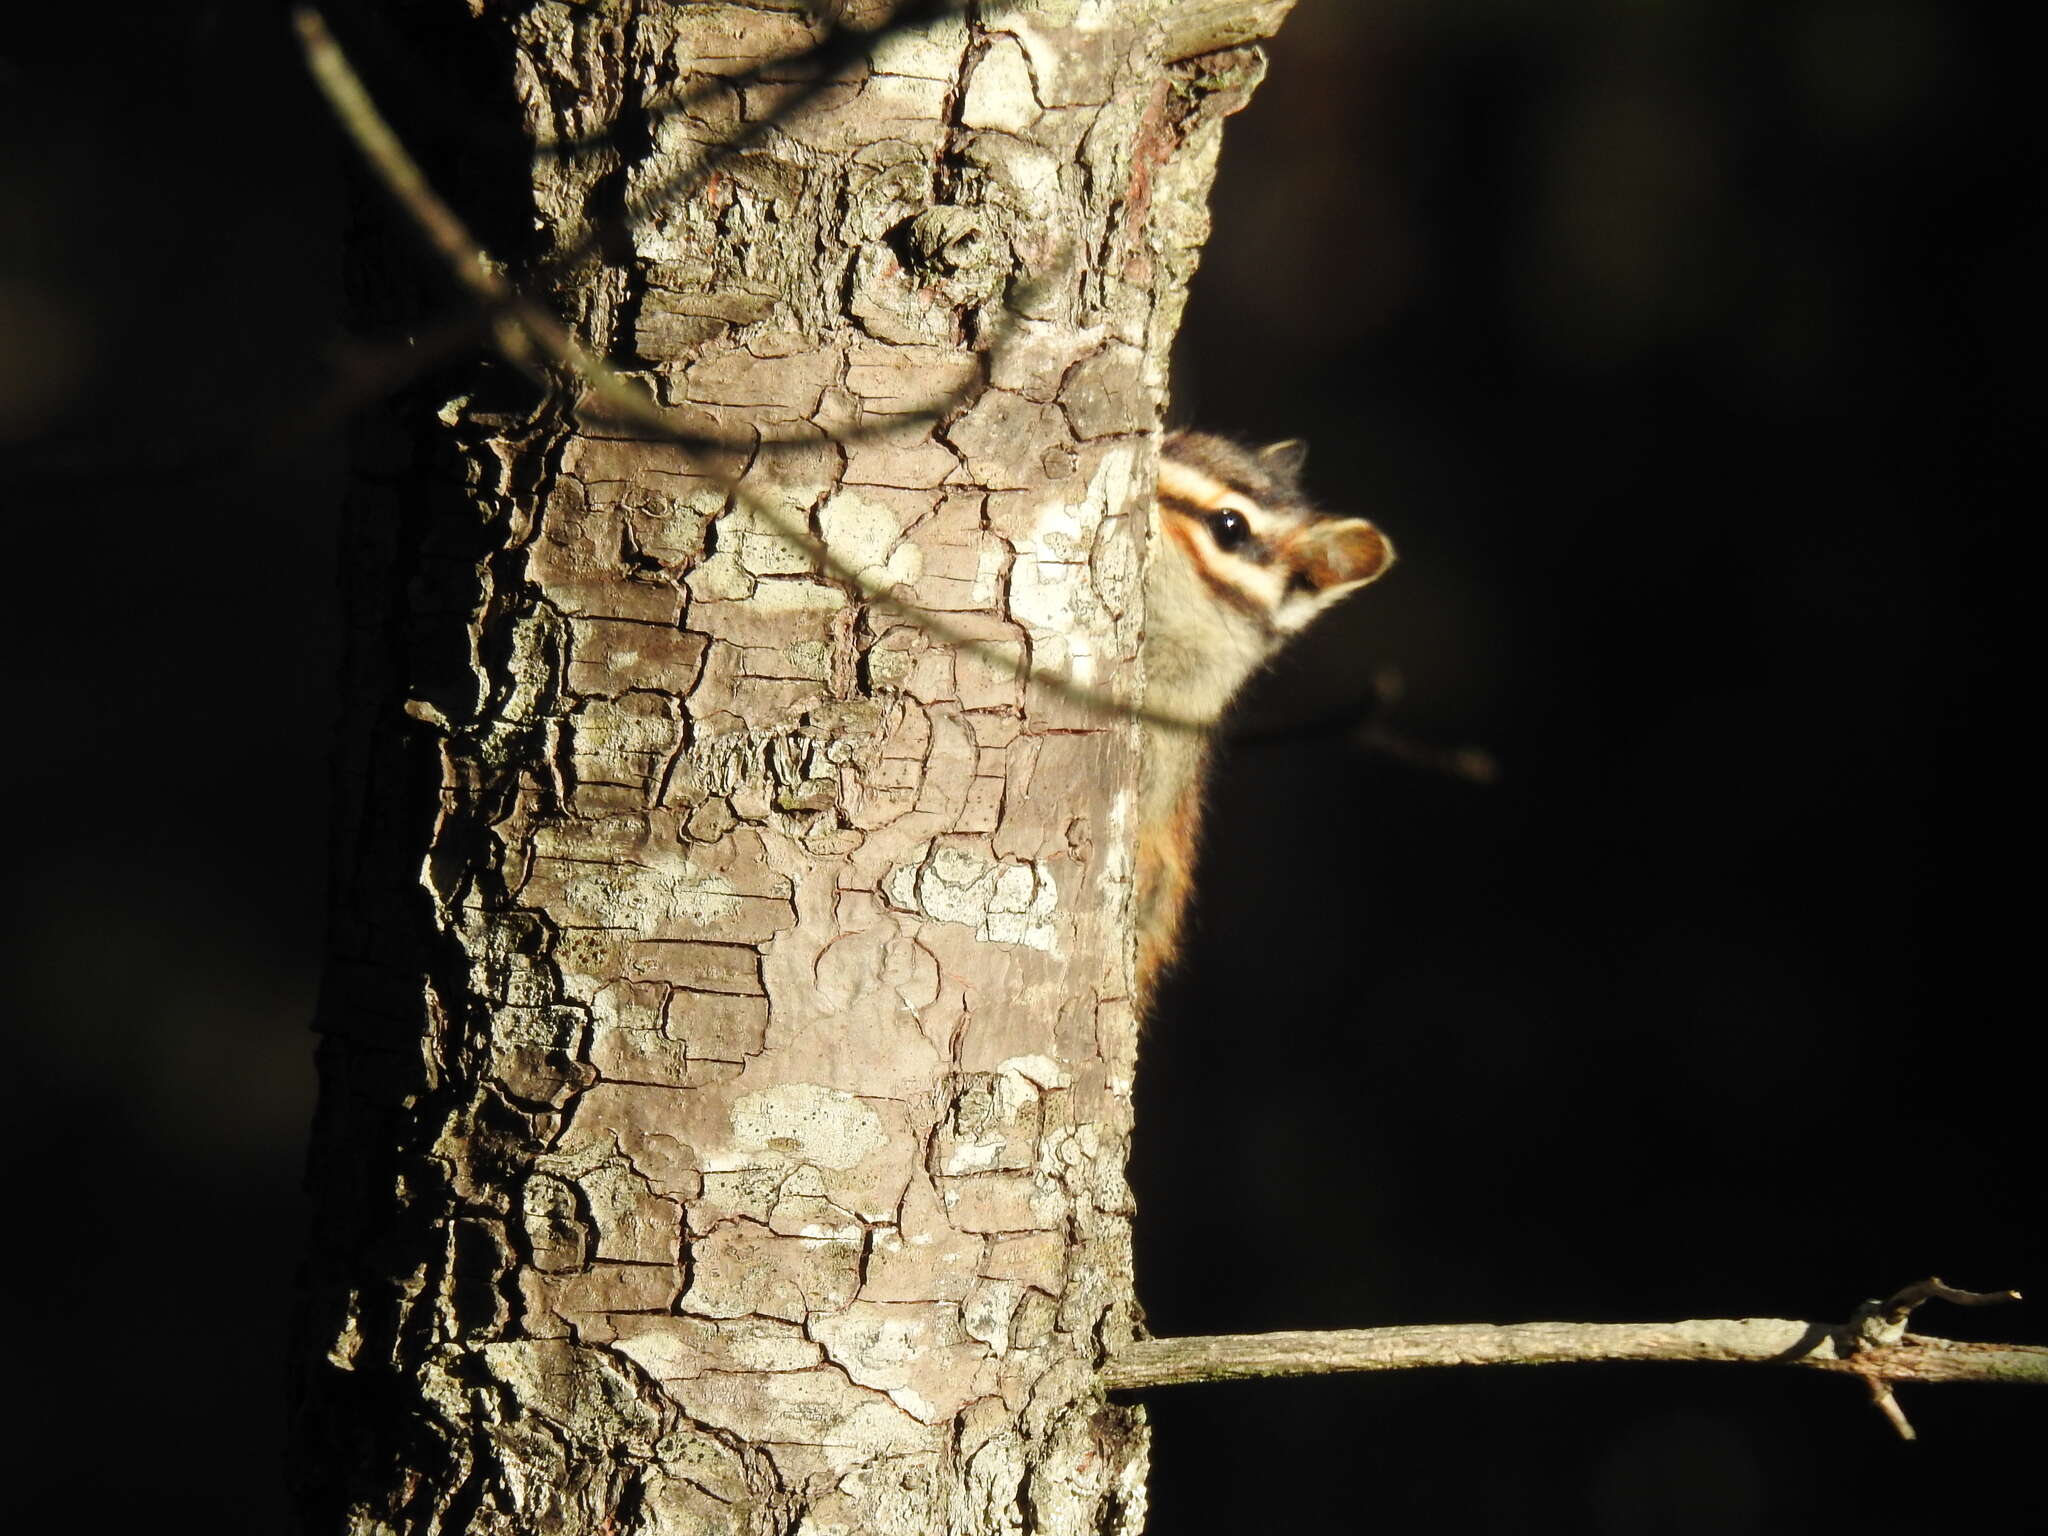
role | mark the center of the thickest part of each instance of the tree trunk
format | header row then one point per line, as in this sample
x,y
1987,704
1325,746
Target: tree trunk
x,y
728,1042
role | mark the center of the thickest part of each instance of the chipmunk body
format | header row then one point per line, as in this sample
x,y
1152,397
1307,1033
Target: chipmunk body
x,y
1240,562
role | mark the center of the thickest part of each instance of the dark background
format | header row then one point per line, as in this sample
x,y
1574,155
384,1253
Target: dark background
x,y
1689,352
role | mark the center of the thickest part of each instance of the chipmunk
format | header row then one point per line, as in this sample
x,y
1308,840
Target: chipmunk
x,y
1240,562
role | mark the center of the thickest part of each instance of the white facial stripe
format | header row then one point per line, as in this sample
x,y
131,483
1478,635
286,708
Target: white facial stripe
x,y
1183,482
1261,585
1259,581
1249,589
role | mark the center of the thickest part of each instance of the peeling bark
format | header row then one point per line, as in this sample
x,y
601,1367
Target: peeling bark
x,y
728,1041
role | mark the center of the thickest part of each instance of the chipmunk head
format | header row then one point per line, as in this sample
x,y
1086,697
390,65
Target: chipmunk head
x,y
1240,519
1242,561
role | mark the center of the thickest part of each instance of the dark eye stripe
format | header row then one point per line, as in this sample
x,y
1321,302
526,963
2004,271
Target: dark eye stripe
x,y
1196,548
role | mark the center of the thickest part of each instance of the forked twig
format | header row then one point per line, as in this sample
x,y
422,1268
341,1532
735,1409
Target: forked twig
x,y
1872,1345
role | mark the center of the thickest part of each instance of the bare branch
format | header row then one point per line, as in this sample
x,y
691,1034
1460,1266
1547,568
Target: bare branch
x,y
1872,1345
1758,1340
1897,1308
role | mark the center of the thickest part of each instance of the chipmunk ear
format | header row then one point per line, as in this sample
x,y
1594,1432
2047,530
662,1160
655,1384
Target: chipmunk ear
x,y
1284,458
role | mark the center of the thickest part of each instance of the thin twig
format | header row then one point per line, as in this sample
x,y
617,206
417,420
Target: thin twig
x,y
1759,1340
1846,1349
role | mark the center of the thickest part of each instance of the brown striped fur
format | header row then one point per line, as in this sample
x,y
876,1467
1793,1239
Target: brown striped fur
x,y
1214,616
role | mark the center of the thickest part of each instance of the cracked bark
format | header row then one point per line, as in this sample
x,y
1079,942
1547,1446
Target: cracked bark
x,y
727,1040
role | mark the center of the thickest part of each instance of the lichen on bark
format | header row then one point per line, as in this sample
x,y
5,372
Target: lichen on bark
x,y
728,1041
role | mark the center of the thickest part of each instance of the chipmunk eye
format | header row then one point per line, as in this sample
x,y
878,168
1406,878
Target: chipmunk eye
x,y
1229,530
